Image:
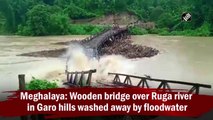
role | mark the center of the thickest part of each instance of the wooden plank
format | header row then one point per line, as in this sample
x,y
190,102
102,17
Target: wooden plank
x,y
71,78
81,79
75,79
68,77
22,86
21,78
89,78
85,72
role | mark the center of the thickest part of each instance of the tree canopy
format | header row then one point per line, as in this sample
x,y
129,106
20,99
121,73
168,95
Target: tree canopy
x,y
54,17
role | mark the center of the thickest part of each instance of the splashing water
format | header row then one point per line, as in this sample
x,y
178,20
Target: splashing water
x,y
78,60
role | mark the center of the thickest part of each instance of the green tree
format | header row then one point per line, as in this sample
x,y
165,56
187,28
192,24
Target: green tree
x,y
47,17
2,22
45,20
75,12
38,20
166,21
8,13
120,5
59,24
155,13
49,2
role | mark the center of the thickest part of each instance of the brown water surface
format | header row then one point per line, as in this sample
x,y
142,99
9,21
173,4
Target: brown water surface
x,y
181,58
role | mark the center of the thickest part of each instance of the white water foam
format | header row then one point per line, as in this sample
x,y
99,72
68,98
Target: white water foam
x,y
78,60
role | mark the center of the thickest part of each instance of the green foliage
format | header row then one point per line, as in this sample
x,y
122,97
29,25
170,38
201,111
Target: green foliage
x,y
204,30
42,20
165,20
75,12
49,2
85,29
53,17
138,31
37,20
8,13
163,31
120,5
2,23
156,13
38,84
58,24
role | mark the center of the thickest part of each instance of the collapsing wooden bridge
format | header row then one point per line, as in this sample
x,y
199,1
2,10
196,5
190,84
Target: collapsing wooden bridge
x,y
94,43
84,78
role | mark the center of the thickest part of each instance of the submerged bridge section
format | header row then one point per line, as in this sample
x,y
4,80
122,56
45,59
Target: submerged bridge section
x,y
94,43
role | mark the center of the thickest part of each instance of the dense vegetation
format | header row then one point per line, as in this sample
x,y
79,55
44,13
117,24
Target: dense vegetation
x,y
38,84
54,17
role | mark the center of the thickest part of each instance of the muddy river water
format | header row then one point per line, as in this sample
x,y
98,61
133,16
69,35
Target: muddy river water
x,y
181,58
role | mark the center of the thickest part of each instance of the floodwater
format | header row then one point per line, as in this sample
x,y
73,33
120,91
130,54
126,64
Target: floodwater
x,y
181,58
12,65
187,59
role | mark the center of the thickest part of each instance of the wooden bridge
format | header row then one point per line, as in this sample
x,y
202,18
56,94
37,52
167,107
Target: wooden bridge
x,y
73,80
94,43
109,35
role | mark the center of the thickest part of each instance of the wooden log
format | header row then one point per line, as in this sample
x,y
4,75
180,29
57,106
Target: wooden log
x,y
68,80
21,78
79,72
71,78
89,79
75,79
197,90
22,86
81,79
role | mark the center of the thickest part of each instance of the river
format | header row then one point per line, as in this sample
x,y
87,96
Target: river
x,y
181,58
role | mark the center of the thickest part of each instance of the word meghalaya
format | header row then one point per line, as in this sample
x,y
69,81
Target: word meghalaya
x,y
105,96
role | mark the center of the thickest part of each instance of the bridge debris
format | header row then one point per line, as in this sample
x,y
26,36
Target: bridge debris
x,y
123,47
129,50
